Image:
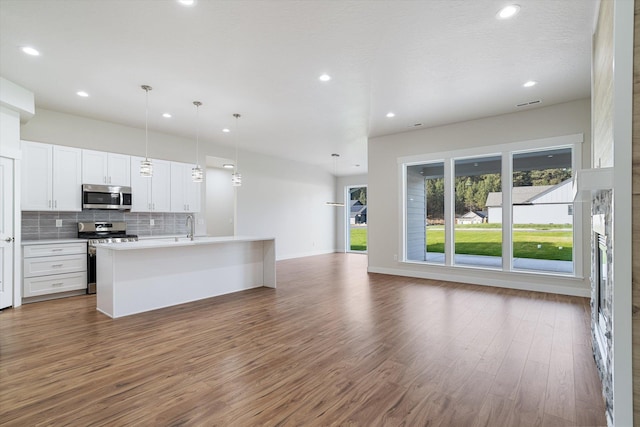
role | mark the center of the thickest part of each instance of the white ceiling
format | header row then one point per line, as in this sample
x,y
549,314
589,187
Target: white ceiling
x,y
431,62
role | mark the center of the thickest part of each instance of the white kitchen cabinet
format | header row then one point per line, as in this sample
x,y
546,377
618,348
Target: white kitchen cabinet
x,y
52,268
185,194
151,194
51,177
99,167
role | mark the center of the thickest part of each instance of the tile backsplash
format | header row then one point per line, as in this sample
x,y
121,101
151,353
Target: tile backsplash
x,y
42,225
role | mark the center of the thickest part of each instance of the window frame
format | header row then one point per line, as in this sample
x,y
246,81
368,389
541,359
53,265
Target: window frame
x,y
506,151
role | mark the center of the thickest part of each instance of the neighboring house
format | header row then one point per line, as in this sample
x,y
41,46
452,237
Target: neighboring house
x,y
357,212
541,204
472,217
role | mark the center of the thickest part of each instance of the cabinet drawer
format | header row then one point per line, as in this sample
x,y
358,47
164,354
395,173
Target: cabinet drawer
x,y
51,249
35,286
54,265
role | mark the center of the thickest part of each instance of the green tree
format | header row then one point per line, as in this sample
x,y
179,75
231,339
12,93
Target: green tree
x,y
550,176
359,194
435,198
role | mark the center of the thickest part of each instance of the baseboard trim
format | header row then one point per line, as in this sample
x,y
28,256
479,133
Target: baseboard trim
x,y
304,254
512,282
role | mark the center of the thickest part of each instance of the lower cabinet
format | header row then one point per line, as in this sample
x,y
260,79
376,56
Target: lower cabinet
x,y
53,267
43,285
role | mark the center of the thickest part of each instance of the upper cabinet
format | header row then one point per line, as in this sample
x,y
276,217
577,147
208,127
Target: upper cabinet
x,y
185,194
151,194
51,177
99,167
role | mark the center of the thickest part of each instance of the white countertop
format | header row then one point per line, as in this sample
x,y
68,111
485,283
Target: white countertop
x,y
175,242
50,241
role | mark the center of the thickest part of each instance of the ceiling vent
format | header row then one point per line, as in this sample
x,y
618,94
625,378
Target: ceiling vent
x,y
526,104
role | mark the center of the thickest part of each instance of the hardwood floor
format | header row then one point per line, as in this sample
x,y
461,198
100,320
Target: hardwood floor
x,y
332,345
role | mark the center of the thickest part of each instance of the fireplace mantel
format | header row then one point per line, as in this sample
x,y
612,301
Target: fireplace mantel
x,y
588,180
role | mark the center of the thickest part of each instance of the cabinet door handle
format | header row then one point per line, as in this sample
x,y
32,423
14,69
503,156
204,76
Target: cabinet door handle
x,y
109,180
57,284
57,265
104,179
188,208
153,206
56,250
55,204
49,203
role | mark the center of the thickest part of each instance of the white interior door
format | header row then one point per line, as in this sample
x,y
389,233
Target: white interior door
x,y
6,232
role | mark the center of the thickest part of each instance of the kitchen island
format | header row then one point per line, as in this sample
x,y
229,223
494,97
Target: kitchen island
x,y
135,277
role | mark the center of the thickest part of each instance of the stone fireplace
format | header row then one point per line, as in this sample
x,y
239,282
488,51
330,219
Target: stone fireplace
x,y
602,290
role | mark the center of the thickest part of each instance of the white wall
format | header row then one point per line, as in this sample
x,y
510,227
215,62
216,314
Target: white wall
x,y
278,198
9,131
286,200
220,202
341,212
66,129
385,198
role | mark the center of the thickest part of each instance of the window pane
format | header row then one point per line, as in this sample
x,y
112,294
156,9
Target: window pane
x,y
425,212
358,219
478,240
542,201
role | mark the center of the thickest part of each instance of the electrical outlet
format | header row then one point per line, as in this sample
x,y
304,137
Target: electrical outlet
x,y
58,223
152,222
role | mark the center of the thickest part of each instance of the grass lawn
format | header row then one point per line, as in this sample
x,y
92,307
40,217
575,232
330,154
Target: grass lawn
x,y
486,239
483,240
358,239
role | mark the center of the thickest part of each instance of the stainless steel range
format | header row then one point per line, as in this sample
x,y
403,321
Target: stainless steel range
x,y
101,232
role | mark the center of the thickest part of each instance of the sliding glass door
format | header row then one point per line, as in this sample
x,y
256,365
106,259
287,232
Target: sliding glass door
x,y
542,203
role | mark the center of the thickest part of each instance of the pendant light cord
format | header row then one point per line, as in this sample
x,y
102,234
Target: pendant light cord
x,y
237,116
197,104
146,125
146,88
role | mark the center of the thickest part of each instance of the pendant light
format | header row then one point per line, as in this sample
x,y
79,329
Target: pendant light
x,y
196,173
236,177
146,167
335,159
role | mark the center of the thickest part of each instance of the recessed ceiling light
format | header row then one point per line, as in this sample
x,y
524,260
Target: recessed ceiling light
x,y
166,115
391,114
187,2
225,130
324,77
508,11
530,83
30,51
82,94
228,166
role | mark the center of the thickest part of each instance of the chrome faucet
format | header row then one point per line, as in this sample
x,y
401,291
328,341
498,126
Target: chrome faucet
x,y
191,225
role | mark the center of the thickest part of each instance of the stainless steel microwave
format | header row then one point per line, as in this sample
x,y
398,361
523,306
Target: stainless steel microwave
x,y
106,197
